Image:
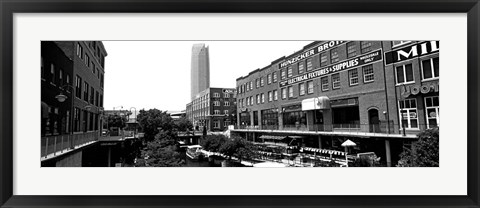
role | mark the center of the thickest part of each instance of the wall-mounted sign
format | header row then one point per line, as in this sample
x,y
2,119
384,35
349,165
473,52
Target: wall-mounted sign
x,y
228,91
350,63
413,51
108,144
292,108
416,89
310,52
344,102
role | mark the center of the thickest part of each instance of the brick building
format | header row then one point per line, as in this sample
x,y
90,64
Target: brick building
x,y
213,108
331,91
72,78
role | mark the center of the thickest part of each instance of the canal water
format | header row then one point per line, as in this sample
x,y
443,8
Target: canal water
x,y
209,162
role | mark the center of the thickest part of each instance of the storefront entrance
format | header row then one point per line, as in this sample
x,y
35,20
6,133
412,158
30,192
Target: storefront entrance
x,y
346,117
318,120
373,120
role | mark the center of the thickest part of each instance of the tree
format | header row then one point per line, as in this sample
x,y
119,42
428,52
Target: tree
x,y
424,151
161,152
183,124
213,143
116,121
239,147
152,121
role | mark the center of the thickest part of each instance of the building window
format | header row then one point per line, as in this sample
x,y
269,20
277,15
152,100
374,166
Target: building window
x,y
351,49
67,80
87,60
101,100
430,68
269,78
408,113
248,101
101,80
270,97
257,83
225,112
283,76
79,51
290,92
365,46
336,81
398,43
251,85
251,100
368,75
275,95
310,87
216,103
216,95
96,98
216,123
309,64
92,95
334,55
404,74
323,59
301,66
432,106
353,77
262,82
78,87
226,103
226,95
325,84
263,98
43,70
216,112
274,76
52,74
60,77
258,99
289,71
284,93
302,88
85,91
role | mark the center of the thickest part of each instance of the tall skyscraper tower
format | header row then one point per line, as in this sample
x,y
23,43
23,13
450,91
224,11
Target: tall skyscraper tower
x,y
200,71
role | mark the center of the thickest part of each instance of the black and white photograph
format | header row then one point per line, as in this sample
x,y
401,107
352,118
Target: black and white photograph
x,y
239,104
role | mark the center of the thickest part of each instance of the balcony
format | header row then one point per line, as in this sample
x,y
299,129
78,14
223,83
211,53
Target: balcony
x,y
52,146
383,128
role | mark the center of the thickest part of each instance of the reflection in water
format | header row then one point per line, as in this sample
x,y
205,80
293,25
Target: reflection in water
x,y
208,162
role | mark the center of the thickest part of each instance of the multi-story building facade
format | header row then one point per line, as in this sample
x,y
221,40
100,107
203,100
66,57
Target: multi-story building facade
x,y
72,81
331,91
213,108
200,69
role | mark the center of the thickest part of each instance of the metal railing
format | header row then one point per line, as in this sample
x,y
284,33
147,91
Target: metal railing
x,y
382,128
295,127
53,145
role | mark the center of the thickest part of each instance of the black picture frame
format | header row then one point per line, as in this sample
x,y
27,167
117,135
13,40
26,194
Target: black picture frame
x,y
10,7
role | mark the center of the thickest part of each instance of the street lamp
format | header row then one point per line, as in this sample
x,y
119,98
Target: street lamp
x,y
62,98
347,144
401,113
135,132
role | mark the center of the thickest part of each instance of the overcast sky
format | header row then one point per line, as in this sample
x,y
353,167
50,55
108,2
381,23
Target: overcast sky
x,y
156,74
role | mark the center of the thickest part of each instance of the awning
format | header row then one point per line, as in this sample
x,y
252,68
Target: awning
x,y
272,137
323,151
296,137
45,110
318,103
269,165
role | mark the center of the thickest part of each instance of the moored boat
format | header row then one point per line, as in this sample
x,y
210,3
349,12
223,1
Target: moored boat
x,y
193,151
